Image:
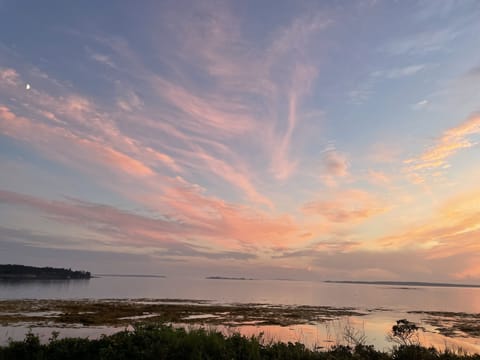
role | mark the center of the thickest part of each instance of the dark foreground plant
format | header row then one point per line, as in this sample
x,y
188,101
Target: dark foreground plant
x,y
404,333
165,342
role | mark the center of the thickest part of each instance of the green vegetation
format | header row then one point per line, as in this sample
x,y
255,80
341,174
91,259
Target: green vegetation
x,y
22,272
165,342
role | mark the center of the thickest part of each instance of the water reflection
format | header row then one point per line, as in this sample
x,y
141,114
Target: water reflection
x,y
258,291
42,282
385,304
29,288
315,336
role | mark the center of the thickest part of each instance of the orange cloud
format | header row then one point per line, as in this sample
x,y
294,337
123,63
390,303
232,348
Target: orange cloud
x,y
449,144
452,230
472,270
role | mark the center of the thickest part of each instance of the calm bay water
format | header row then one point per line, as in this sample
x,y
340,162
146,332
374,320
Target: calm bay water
x,y
252,291
389,303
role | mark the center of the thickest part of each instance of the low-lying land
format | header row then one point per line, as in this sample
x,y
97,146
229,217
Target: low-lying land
x,y
124,312
452,324
403,283
165,342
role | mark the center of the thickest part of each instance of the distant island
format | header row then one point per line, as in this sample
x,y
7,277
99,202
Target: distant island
x,y
403,283
227,278
131,275
22,272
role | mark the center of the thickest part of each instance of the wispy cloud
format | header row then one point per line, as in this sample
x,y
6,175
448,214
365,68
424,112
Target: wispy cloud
x,y
421,104
102,59
362,93
424,42
347,206
400,72
450,231
452,141
77,151
9,76
188,215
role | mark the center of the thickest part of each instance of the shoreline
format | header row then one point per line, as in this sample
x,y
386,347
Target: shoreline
x,y
89,317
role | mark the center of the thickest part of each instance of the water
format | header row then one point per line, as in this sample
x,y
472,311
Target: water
x,y
393,301
252,291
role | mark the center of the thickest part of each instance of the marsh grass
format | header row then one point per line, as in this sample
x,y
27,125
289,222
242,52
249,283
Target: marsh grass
x,y
150,341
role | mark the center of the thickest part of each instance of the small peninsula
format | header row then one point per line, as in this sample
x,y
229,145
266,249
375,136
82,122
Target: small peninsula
x,y
227,278
22,272
403,283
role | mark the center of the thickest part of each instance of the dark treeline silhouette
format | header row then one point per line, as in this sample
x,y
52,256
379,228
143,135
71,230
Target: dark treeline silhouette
x,y
161,342
31,272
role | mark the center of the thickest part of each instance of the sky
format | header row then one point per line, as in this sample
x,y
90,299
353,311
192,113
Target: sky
x,y
270,139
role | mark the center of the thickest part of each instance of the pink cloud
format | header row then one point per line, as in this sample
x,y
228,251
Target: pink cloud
x,y
228,221
348,206
79,118
63,145
239,179
205,115
6,114
207,221
378,177
9,76
301,82
282,166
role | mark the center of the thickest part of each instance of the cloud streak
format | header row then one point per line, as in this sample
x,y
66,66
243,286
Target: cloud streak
x,y
190,216
452,141
346,207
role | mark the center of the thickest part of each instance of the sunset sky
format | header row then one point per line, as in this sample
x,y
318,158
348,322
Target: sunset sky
x,y
270,139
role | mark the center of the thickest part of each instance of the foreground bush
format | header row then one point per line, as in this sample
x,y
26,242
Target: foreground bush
x,y
165,342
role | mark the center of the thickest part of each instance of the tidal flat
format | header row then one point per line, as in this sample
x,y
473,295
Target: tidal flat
x,y
115,312
313,325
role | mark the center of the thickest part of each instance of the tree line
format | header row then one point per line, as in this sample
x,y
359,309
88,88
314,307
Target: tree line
x,y
11,271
